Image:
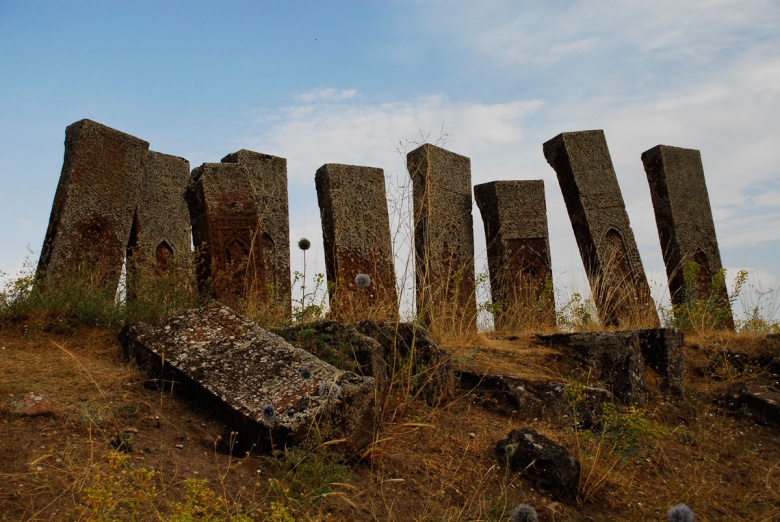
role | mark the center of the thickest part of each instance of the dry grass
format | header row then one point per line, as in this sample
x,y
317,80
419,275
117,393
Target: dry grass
x,y
428,463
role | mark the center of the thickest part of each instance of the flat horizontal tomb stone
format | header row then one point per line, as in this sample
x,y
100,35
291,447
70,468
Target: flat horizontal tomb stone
x,y
270,392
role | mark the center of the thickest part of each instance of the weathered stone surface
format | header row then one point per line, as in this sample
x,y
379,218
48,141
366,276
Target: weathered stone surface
x,y
598,216
30,405
662,349
411,346
620,359
378,349
514,396
685,227
222,359
240,227
116,199
443,239
761,403
518,249
268,177
356,237
546,463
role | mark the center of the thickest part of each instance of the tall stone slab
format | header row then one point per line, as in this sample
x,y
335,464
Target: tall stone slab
x,y
356,237
240,228
518,248
685,227
443,239
598,216
268,177
116,199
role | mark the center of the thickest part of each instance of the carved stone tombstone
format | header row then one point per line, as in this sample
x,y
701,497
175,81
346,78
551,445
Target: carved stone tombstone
x,y
598,216
240,228
443,239
116,200
224,230
518,249
268,177
356,237
685,227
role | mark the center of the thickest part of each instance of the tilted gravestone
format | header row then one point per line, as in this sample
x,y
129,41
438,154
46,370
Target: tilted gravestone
x,y
356,237
518,249
443,239
271,393
685,227
240,227
116,200
598,216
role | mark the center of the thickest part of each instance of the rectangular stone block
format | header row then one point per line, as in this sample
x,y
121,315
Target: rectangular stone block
x,y
601,226
116,199
685,227
622,358
356,237
224,230
240,227
443,239
268,177
273,394
518,248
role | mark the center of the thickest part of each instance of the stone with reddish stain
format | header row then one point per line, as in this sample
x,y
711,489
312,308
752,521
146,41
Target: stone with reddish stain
x,y
116,200
224,360
30,405
518,249
356,237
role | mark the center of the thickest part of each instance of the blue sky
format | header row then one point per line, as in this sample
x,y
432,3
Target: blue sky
x,y
353,82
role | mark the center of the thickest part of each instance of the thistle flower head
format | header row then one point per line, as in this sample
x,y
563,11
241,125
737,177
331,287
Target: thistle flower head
x,y
524,513
305,372
269,411
679,513
329,390
363,280
304,244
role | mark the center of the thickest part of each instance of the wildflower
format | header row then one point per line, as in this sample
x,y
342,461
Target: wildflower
x,y
305,372
363,280
328,390
304,244
524,513
679,513
509,449
269,411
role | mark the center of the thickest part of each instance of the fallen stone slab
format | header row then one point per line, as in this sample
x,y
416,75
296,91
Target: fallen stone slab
x,y
268,391
379,349
545,463
410,344
760,403
621,358
555,401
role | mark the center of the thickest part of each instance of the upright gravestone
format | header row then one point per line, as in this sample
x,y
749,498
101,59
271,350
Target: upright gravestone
x,y
238,210
518,250
224,231
268,177
356,237
116,200
443,239
685,227
598,216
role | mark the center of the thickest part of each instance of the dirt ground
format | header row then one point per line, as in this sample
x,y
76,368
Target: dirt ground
x,y
427,463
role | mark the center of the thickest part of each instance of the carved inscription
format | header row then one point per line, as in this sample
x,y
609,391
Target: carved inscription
x,y
587,178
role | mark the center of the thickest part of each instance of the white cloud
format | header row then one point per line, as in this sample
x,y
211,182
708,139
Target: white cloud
x,y
325,94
